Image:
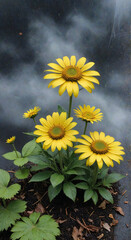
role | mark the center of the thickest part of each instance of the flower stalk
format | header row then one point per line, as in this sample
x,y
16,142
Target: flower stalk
x,y
15,150
34,120
70,105
95,174
85,127
60,160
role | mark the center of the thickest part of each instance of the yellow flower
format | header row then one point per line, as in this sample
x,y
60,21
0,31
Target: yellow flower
x,y
89,114
99,148
68,74
56,131
31,113
10,140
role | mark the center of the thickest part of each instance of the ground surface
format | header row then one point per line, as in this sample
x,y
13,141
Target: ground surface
x,y
77,221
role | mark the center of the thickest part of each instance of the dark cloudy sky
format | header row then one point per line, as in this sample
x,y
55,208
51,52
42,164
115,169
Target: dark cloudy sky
x,y
36,32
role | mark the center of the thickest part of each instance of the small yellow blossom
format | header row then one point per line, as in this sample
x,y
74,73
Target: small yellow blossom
x,y
31,113
89,114
10,140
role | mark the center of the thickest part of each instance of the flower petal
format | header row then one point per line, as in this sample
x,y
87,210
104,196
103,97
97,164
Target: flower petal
x,y
91,79
102,135
69,88
52,75
87,138
91,73
87,66
62,88
56,118
96,135
73,60
66,61
81,62
57,82
84,155
75,89
55,66
61,62
85,83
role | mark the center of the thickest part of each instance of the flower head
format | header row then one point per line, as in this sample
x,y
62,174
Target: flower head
x,y
31,113
68,75
100,148
89,114
56,131
10,140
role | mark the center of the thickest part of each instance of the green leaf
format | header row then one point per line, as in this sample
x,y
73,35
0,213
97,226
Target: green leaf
x,y
35,228
75,163
103,173
81,178
88,195
30,134
37,150
95,197
21,161
37,159
42,161
53,192
113,177
80,171
5,191
9,192
61,109
56,179
22,173
41,176
4,178
11,155
70,190
28,148
106,194
70,172
10,214
76,171
82,185
38,167
17,206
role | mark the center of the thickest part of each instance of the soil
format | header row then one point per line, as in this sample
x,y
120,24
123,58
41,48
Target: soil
x,y
77,221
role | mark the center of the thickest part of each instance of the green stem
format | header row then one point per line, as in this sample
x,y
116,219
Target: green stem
x,y
69,114
95,174
70,104
67,152
4,203
55,165
60,159
42,148
15,150
34,120
85,127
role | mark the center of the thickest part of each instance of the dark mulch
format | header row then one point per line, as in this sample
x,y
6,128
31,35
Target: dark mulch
x,y
89,220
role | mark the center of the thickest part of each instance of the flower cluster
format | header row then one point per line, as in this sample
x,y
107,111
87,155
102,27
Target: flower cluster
x,y
69,74
56,149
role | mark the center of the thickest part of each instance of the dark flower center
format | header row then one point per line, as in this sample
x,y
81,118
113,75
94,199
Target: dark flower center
x,y
56,132
71,73
99,146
